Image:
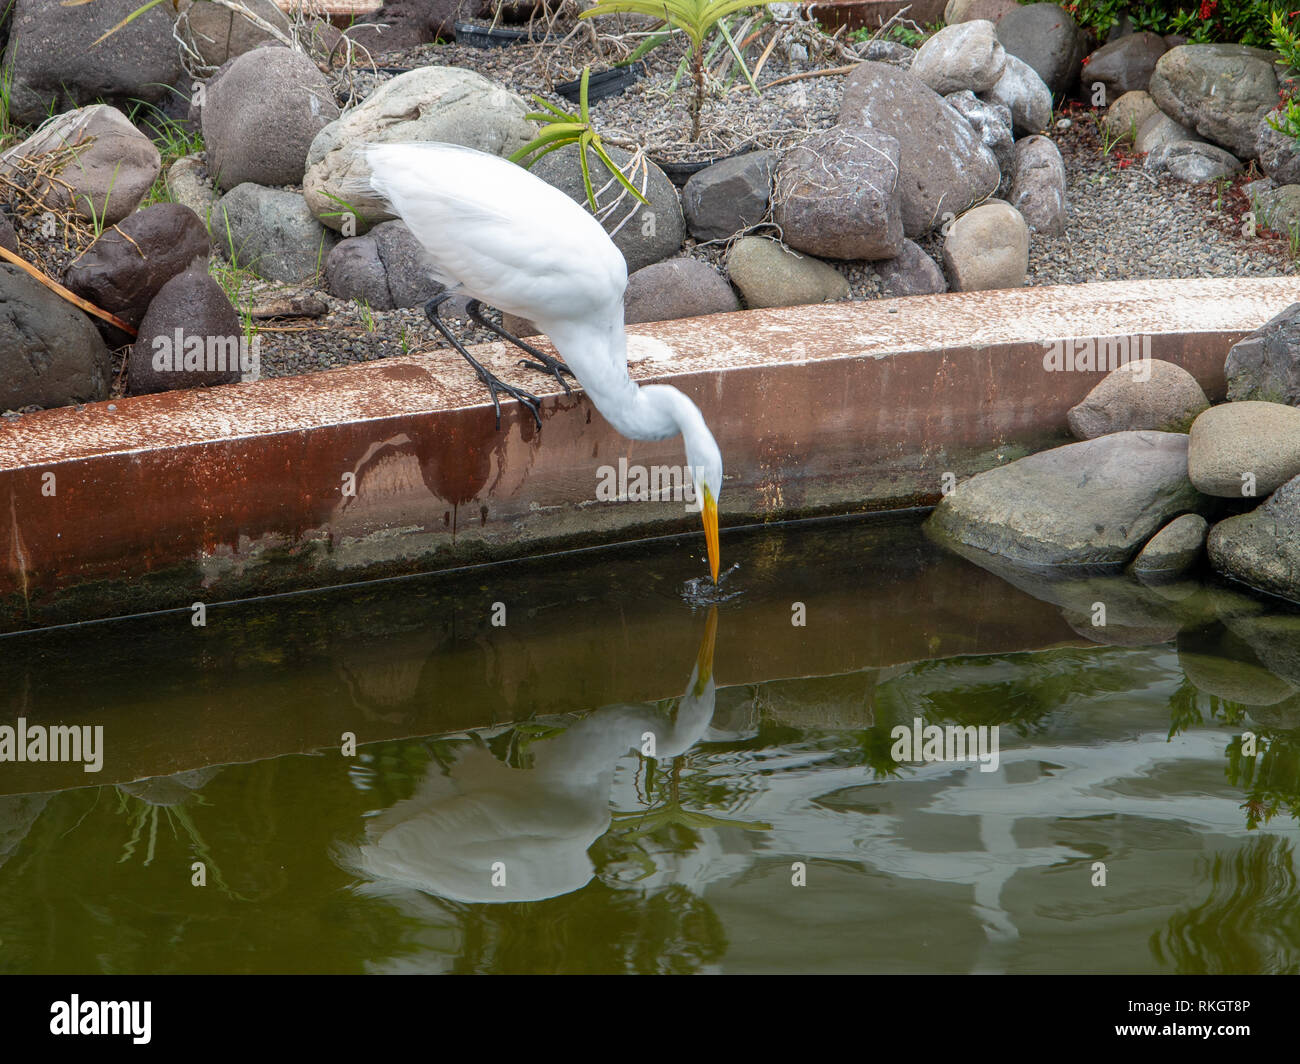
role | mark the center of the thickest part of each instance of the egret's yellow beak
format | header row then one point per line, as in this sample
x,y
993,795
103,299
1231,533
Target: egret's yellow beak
x,y
704,660
709,513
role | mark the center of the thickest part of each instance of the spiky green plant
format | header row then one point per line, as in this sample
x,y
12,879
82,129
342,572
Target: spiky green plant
x,y
698,19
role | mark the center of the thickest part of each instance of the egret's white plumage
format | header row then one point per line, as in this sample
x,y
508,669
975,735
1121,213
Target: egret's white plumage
x,y
504,237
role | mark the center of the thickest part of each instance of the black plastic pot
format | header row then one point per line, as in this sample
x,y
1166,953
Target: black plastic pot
x,y
476,36
680,173
603,84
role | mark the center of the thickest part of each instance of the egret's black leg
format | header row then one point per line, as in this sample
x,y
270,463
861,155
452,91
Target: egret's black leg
x,y
494,383
545,363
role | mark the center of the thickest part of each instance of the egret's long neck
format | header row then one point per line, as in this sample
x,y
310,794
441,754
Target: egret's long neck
x,y
652,412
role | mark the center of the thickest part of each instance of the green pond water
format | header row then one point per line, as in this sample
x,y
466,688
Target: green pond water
x,y
499,815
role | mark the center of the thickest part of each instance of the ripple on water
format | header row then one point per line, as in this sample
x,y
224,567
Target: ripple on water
x,y
701,591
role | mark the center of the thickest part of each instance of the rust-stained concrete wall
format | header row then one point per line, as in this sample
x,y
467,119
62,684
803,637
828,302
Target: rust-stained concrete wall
x,y
163,500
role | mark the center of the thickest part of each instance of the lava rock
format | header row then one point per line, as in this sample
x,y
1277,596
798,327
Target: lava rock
x,y
50,353
1262,548
729,196
944,171
271,232
963,56
114,168
1239,446
1022,92
1146,393
354,270
125,267
432,103
1266,364
1038,190
190,308
406,264
910,273
769,275
261,116
56,60
986,248
1047,38
1220,90
837,195
1192,161
1125,64
1090,503
678,288
1173,550
652,233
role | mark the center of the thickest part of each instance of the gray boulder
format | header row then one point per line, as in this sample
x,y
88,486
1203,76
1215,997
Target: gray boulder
x,y
271,232
354,270
1266,364
910,273
836,195
729,196
652,233
1024,94
431,103
1278,208
1159,130
678,288
8,235
1085,504
188,184
1129,113
55,64
945,171
967,10
769,275
1047,38
1192,161
1262,548
987,247
1038,187
192,306
114,168
1124,64
967,55
1220,90
217,34
50,353
1278,152
406,265
1147,393
992,122
1239,446
1173,550
128,264
261,116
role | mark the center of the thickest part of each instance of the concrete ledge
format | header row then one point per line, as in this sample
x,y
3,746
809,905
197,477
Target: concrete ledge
x,y
163,500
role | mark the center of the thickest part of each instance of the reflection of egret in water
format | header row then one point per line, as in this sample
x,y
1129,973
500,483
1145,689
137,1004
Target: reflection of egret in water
x,y
487,832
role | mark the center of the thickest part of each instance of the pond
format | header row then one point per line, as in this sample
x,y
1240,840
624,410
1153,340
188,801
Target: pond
x,y
498,813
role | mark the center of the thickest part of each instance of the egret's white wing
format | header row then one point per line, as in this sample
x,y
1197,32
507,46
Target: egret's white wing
x,y
507,237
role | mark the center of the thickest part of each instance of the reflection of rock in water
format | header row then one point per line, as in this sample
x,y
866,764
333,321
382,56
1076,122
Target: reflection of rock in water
x,y
383,676
18,812
1223,664
170,790
828,703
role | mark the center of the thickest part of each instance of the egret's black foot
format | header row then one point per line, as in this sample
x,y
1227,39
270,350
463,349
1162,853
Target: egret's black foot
x,y
544,362
493,383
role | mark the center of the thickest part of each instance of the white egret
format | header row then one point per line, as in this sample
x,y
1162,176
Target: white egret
x,y
508,239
